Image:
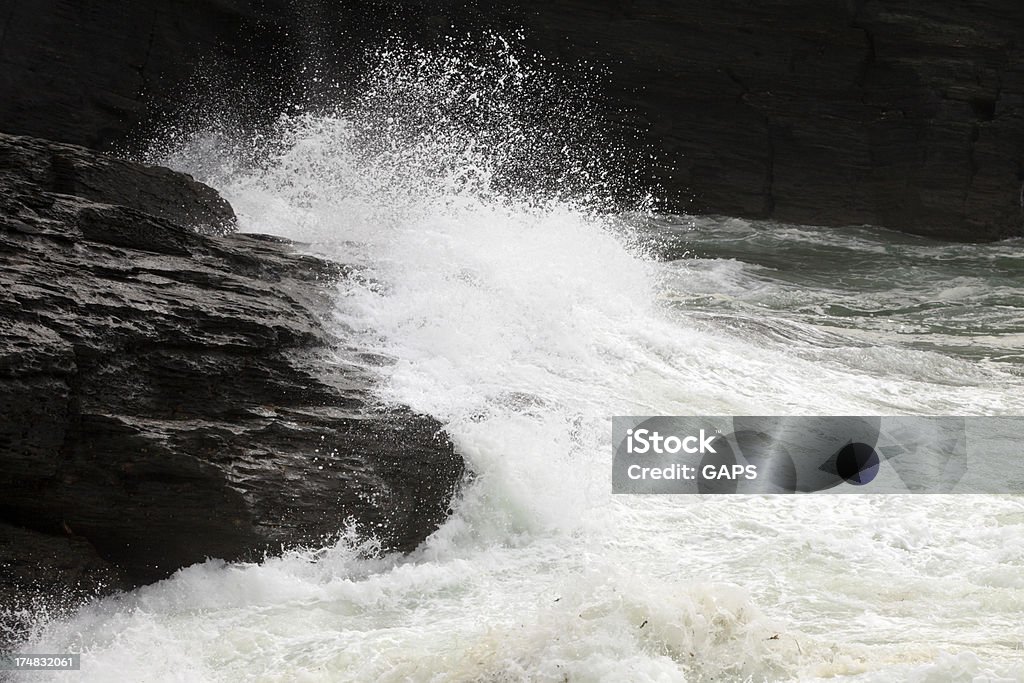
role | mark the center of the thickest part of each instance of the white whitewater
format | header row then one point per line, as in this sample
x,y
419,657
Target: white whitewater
x,y
524,323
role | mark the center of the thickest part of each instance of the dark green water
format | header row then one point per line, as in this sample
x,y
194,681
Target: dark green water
x,y
852,287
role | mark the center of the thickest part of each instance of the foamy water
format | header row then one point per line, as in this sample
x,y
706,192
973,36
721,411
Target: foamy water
x,y
524,322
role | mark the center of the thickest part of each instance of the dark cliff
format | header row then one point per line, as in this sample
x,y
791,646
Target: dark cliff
x,y
88,72
903,114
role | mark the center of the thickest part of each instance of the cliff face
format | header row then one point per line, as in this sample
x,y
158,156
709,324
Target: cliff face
x,y
903,114
168,396
88,72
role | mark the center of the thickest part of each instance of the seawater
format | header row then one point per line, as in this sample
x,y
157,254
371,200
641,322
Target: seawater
x,y
523,319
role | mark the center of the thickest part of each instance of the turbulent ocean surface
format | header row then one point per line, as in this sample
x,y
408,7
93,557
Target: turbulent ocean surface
x,y
524,315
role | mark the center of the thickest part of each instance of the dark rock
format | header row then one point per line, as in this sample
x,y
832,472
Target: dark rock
x,y
881,112
897,113
45,576
34,166
88,71
169,396
902,114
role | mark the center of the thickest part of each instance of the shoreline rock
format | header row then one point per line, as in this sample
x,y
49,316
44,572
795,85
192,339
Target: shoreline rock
x,y
168,396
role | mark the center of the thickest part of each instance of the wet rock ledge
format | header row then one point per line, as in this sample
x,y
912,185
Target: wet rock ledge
x,y
170,392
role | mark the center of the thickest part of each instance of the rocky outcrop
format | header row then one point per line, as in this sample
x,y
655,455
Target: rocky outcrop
x,y
168,396
897,113
29,166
